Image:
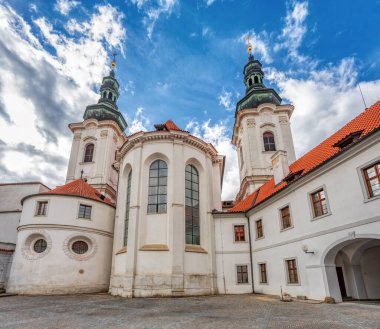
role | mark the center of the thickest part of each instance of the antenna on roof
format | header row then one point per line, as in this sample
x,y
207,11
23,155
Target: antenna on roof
x,y
361,93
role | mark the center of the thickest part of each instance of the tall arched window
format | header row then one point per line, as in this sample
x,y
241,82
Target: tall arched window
x,y
256,79
250,82
158,175
192,205
104,94
88,153
128,202
269,144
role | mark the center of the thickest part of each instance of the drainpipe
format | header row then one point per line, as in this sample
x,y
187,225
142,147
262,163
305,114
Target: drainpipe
x,y
250,252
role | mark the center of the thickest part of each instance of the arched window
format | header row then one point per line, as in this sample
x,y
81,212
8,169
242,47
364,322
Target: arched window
x,y
104,94
110,95
128,202
192,205
89,153
114,98
158,175
250,82
269,144
256,79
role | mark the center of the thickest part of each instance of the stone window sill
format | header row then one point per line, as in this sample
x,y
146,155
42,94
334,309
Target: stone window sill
x,y
122,250
195,248
154,247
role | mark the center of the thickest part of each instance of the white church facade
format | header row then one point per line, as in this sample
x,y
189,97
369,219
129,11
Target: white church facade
x,y
142,215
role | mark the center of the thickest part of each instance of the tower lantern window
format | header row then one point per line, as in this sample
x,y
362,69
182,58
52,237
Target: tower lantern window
x,y
250,82
110,95
256,79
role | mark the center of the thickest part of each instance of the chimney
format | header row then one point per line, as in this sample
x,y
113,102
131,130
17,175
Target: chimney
x,y
280,166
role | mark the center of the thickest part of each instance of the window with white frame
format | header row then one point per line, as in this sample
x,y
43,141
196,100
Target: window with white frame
x,y
84,211
319,203
372,179
239,233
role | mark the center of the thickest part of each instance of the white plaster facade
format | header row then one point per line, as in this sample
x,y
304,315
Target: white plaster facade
x,y
156,260
107,138
59,270
255,166
348,236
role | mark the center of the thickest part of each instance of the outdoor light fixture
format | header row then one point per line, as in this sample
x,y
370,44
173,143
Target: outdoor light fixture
x,y
306,250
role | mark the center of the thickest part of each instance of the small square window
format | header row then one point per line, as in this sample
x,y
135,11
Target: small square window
x,y
84,211
372,179
239,233
319,203
242,273
259,229
291,266
41,208
286,221
263,273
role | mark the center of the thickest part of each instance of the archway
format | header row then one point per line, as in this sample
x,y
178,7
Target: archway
x,y
352,268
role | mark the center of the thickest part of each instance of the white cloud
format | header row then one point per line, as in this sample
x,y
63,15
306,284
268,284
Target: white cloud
x,y
205,31
324,101
33,7
42,93
65,6
217,135
225,100
294,30
140,122
260,44
153,10
209,2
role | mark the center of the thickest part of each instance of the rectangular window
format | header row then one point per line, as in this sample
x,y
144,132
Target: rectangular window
x,y
263,273
372,179
286,221
292,271
239,233
319,203
242,273
41,208
259,229
84,211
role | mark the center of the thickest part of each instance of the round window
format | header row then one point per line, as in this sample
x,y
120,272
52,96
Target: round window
x,y
79,247
40,246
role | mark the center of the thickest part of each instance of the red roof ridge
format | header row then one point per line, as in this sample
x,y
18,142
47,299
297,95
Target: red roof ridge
x,y
80,188
367,122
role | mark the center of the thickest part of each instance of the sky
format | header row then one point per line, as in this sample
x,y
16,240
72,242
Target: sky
x,y
179,60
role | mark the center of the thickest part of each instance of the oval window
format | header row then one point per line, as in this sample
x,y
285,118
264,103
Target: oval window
x,y
40,246
79,247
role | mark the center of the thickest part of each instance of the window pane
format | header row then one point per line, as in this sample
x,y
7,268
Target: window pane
x,y
163,172
162,190
153,173
152,199
151,209
153,190
154,165
162,181
188,193
187,184
153,181
162,198
161,208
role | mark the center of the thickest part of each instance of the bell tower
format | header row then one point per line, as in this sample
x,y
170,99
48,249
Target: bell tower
x,y
97,139
261,128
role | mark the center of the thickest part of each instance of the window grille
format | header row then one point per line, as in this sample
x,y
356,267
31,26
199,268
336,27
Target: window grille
x,y
84,211
79,247
269,144
157,194
40,246
192,205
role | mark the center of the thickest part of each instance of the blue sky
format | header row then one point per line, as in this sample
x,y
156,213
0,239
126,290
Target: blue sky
x,y
181,60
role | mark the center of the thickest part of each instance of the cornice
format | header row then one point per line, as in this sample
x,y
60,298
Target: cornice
x,y
79,126
64,227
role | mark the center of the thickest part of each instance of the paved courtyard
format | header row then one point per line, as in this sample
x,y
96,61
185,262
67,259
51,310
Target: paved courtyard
x,y
244,311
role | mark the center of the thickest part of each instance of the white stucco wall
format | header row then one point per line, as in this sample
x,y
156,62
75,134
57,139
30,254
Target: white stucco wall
x,y
58,269
352,216
172,270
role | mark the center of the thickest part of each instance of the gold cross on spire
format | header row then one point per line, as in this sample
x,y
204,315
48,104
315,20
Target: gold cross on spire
x,y
249,45
113,63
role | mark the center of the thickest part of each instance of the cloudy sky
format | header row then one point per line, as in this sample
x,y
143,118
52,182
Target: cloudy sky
x,y
179,60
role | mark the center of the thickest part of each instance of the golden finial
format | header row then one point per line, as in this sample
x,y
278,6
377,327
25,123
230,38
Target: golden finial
x,y
113,63
249,45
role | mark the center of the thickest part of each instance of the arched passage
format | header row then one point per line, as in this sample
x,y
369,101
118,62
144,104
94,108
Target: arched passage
x,y
352,268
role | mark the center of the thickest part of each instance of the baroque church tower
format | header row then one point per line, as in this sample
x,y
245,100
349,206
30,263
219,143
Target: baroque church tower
x,y
261,129
97,139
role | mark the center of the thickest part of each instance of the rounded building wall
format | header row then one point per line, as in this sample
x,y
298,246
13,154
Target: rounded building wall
x,y
156,259
59,253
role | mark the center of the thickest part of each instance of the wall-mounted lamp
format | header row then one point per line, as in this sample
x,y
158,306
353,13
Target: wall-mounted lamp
x,y
306,250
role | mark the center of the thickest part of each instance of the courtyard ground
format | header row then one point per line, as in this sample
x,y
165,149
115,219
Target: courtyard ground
x,y
242,311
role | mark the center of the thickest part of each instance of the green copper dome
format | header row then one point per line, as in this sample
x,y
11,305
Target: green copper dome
x,y
106,108
255,91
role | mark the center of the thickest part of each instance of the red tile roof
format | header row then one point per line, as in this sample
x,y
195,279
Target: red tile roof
x,y
367,121
170,125
79,188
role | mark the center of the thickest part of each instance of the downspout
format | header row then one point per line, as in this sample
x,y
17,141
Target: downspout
x,y
250,252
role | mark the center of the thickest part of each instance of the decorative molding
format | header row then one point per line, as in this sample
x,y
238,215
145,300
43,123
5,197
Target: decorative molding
x,y
64,227
282,119
251,123
90,138
27,247
104,133
195,248
154,247
92,246
77,136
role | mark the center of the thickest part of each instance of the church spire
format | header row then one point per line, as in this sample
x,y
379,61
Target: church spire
x,y
106,108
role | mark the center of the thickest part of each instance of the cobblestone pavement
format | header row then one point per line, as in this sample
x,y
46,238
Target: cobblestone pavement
x,y
242,311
